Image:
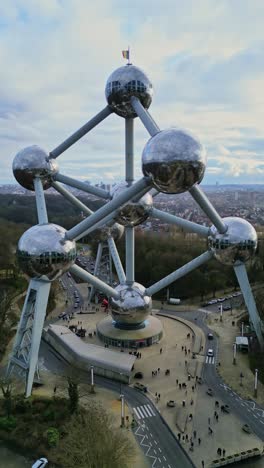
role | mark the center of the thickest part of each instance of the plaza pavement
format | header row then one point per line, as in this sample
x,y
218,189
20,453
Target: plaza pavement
x,y
227,431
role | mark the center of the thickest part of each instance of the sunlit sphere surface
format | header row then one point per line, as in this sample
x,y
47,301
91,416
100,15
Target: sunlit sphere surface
x,y
237,245
175,160
124,83
101,235
43,252
133,306
34,162
132,213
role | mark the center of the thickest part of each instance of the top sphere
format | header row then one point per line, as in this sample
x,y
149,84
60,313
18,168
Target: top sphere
x,y
237,245
175,160
34,162
124,83
43,252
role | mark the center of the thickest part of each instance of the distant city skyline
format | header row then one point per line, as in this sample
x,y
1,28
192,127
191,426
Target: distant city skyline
x,y
205,59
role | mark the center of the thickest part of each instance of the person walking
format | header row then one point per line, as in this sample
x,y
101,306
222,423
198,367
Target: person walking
x,y
224,452
194,434
202,464
199,440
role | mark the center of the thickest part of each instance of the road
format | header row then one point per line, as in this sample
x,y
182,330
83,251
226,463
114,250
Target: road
x,y
248,411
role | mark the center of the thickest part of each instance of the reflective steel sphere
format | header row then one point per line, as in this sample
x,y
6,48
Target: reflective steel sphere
x,y
33,162
43,252
101,235
175,160
125,82
133,306
132,213
237,245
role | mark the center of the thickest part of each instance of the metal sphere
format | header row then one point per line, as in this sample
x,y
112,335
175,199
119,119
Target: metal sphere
x,y
44,252
237,245
101,235
175,160
132,213
34,162
124,83
133,306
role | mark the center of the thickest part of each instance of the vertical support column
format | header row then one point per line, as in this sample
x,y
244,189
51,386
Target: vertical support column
x,y
92,379
40,201
242,278
129,148
130,235
43,289
24,356
130,255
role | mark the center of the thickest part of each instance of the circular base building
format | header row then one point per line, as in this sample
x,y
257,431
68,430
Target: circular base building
x,y
149,332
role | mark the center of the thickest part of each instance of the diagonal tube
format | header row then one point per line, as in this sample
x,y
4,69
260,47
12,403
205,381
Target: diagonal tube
x,y
81,132
116,259
242,278
40,201
208,208
188,226
130,254
97,283
144,116
71,198
184,270
81,186
108,208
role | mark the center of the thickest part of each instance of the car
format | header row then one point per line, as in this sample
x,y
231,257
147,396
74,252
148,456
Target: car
x,y
209,392
171,403
210,336
76,305
246,429
141,387
68,274
62,315
213,301
139,375
40,463
77,299
210,352
227,308
225,409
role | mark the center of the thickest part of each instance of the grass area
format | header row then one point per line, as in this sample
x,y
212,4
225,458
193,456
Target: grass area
x,y
46,427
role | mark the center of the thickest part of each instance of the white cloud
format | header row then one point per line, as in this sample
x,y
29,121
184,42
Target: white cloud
x,y
204,57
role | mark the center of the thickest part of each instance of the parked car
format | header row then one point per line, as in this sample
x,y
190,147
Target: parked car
x,y
227,307
247,429
139,375
62,315
210,336
210,352
76,305
141,387
209,392
40,463
171,403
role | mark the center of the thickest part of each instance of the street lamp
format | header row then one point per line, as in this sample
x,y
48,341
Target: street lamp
x,y
241,377
92,379
221,312
256,384
122,410
234,353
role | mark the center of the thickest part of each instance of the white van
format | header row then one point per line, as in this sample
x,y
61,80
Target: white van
x,y
210,352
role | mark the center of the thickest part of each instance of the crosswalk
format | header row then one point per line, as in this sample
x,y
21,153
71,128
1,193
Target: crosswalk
x,y
144,411
209,360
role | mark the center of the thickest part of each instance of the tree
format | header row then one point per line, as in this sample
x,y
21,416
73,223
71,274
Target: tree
x,y
7,390
73,392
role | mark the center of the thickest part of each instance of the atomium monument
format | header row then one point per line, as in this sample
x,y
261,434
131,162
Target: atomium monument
x,y
173,161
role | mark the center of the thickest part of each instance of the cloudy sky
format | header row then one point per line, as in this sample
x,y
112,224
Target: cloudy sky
x,y
204,57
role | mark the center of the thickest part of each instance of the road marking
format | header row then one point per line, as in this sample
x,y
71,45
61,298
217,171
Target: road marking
x,y
155,452
255,416
164,458
156,442
159,460
151,435
144,411
262,422
159,449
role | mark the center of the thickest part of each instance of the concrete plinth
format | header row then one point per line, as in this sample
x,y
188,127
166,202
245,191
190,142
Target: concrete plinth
x,y
150,333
